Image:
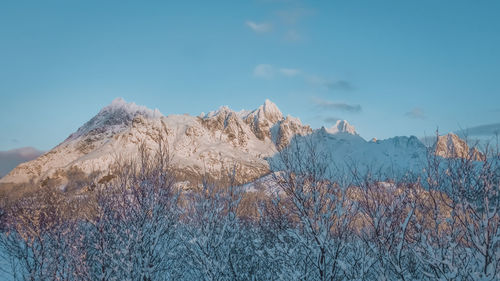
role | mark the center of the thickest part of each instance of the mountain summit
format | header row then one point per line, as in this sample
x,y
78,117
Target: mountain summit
x,y
452,146
208,144
115,117
342,126
213,144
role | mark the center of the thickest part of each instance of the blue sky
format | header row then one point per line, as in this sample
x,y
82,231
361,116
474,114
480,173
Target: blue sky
x,y
388,67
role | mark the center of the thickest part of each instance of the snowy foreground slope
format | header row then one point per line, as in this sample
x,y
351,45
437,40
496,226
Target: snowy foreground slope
x,y
213,144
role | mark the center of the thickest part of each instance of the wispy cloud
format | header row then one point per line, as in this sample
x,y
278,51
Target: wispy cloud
x,y
259,27
268,71
343,85
481,130
331,120
416,113
289,71
335,85
265,71
337,106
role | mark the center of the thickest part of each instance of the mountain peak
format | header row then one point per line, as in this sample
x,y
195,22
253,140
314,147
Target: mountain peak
x,y
222,110
117,114
263,118
342,126
452,146
270,106
270,111
130,108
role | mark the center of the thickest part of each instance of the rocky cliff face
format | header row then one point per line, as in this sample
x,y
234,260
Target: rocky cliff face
x,y
214,144
209,144
451,146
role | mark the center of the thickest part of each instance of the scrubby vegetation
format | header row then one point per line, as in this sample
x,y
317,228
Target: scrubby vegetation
x,y
306,223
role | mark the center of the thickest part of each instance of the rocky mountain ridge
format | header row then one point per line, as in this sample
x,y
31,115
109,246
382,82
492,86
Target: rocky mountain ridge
x,y
210,144
452,146
217,142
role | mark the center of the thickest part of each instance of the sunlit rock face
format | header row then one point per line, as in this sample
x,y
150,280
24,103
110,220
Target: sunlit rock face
x,y
210,144
215,144
451,146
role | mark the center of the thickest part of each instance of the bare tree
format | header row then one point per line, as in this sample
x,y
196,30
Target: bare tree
x,y
38,237
311,224
474,189
320,209
133,233
213,234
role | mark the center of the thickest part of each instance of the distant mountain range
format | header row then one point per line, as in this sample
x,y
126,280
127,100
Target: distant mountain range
x,y
215,143
11,158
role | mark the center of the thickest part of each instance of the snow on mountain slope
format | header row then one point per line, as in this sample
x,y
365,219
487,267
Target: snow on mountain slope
x,y
342,126
214,144
114,118
344,152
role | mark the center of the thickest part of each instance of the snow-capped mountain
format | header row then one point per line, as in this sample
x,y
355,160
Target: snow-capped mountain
x,y
346,152
213,144
207,144
342,126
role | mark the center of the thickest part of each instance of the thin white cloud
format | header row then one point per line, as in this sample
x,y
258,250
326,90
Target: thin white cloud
x,y
259,27
268,71
289,71
265,71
